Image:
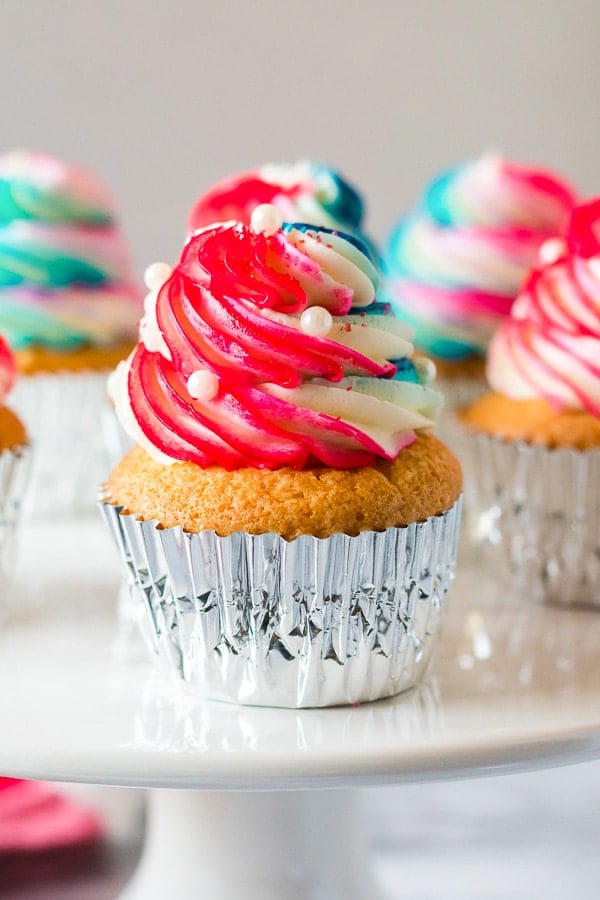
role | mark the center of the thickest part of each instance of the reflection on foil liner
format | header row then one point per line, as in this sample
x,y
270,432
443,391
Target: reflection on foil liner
x,y
311,622
535,513
15,466
63,415
176,721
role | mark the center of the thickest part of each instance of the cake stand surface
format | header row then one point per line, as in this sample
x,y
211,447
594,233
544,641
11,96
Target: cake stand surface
x,y
514,685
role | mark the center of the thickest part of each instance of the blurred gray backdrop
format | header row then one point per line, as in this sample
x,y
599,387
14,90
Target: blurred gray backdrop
x,y
162,97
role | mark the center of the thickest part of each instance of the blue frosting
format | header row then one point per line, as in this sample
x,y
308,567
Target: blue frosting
x,y
26,325
23,199
377,308
435,340
437,201
40,266
395,261
347,205
405,371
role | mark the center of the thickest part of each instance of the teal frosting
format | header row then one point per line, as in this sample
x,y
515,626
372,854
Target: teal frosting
x,y
439,201
39,266
24,325
436,340
346,204
21,199
405,371
57,240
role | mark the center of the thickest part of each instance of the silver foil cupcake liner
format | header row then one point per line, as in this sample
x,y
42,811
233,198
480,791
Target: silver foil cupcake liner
x,y
535,512
257,620
14,474
66,415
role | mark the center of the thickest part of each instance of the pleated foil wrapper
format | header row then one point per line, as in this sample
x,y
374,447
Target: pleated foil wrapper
x,y
15,466
66,414
257,620
535,514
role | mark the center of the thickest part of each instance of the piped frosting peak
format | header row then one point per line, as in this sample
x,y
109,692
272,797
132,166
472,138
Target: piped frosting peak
x,y
265,346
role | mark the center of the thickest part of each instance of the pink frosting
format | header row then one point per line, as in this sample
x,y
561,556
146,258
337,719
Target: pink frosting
x,y
249,356
549,348
7,370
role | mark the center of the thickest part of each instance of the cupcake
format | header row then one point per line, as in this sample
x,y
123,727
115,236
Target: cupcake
x,y
69,310
454,265
14,465
288,518
304,191
532,445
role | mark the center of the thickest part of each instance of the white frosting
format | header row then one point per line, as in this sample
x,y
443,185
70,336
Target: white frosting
x,y
334,266
150,333
594,266
118,391
551,251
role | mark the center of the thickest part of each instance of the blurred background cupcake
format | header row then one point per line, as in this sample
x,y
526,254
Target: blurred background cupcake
x,y
14,471
303,191
289,521
455,264
69,308
531,448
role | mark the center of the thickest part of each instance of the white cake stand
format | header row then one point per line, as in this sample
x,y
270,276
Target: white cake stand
x,y
514,685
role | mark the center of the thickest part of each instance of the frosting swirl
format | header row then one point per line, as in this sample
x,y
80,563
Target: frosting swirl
x,y
36,186
455,265
65,276
549,348
304,191
265,347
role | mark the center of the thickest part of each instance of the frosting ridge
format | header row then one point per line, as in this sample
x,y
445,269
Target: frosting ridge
x,y
304,191
65,273
455,264
549,347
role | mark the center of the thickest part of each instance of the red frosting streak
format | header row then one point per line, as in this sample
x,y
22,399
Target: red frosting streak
x,y
8,369
209,315
544,182
236,198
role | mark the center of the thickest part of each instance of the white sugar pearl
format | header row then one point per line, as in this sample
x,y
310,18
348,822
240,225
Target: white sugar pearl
x,y
266,218
203,384
316,321
594,266
552,250
156,274
425,369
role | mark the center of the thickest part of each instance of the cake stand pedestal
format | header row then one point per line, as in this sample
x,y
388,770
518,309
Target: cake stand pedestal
x,y
241,801
294,845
